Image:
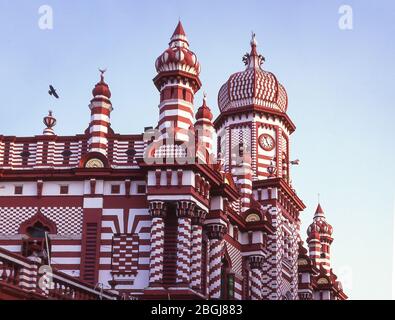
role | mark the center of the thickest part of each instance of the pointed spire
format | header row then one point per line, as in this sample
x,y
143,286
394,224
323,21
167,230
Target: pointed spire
x,y
253,59
319,213
179,38
253,44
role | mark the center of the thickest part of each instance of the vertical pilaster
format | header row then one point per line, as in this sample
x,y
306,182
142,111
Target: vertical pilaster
x,y
256,264
184,233
215,233
157,210
196,250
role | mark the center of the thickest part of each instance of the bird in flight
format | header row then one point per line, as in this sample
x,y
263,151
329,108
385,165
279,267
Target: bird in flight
x,y
52,92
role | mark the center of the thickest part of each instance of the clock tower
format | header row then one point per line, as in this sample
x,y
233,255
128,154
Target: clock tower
x,y
253,106
253,122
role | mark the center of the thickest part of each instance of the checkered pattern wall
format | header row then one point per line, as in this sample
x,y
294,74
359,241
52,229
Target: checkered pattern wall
x,y
12,217
125,253
68,220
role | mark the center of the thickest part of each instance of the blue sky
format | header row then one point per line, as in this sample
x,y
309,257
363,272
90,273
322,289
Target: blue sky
x,y
340,86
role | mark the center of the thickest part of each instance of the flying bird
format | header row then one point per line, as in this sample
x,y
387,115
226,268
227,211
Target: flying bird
x,y
52,92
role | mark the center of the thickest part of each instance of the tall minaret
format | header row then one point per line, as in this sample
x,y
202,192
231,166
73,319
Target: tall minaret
x,y
178,81
320,240
99,125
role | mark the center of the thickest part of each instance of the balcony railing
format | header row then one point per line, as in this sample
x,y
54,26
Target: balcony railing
x,y
22,278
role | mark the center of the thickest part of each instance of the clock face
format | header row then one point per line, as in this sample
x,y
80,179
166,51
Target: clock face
x,y
266,141
94,163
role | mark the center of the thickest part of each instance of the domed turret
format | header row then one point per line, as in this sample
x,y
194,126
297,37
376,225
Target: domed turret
x,y
253,86
177,80
320,224
204,112
101,88
320,239
101,108
204,131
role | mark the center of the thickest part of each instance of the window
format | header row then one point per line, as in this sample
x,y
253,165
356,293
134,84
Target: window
x,y
37,230
141,188
64,189
236,233
18,189
227,280
115,189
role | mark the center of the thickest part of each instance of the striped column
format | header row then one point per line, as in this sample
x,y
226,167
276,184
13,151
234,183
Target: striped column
x,y
256,264
28,276
325,253
184,235
243,174
215,233
176,111
196,250
157,210
314,247
101,108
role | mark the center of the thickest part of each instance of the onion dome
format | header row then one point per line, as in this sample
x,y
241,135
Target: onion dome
x,y
101,88
49,121
204,112
253,86
178,57
319,225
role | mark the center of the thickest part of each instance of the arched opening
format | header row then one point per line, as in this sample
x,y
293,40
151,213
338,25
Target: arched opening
x,y
37,230
35,240
227,279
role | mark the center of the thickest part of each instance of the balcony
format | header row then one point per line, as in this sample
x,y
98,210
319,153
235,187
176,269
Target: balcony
x,y
25,279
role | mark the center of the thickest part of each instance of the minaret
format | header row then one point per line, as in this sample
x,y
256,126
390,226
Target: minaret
x,y
320,239
178,81
204,131
49,122
99,125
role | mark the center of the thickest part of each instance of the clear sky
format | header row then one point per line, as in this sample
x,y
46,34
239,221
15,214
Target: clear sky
x,y
340,85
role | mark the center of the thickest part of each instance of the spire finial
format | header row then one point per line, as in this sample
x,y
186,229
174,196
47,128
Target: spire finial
x,y
49,122
318,197
253,39
102,72
179,37
253,59
204,97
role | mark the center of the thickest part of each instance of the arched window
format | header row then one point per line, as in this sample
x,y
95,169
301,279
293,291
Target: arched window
x,y
37,230
227,279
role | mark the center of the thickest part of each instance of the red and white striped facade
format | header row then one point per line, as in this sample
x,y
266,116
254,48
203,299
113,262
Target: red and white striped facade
x,y
208,229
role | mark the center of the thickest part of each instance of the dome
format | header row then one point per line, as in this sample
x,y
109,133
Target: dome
x,y
101,88
178,57
253,86
204,111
